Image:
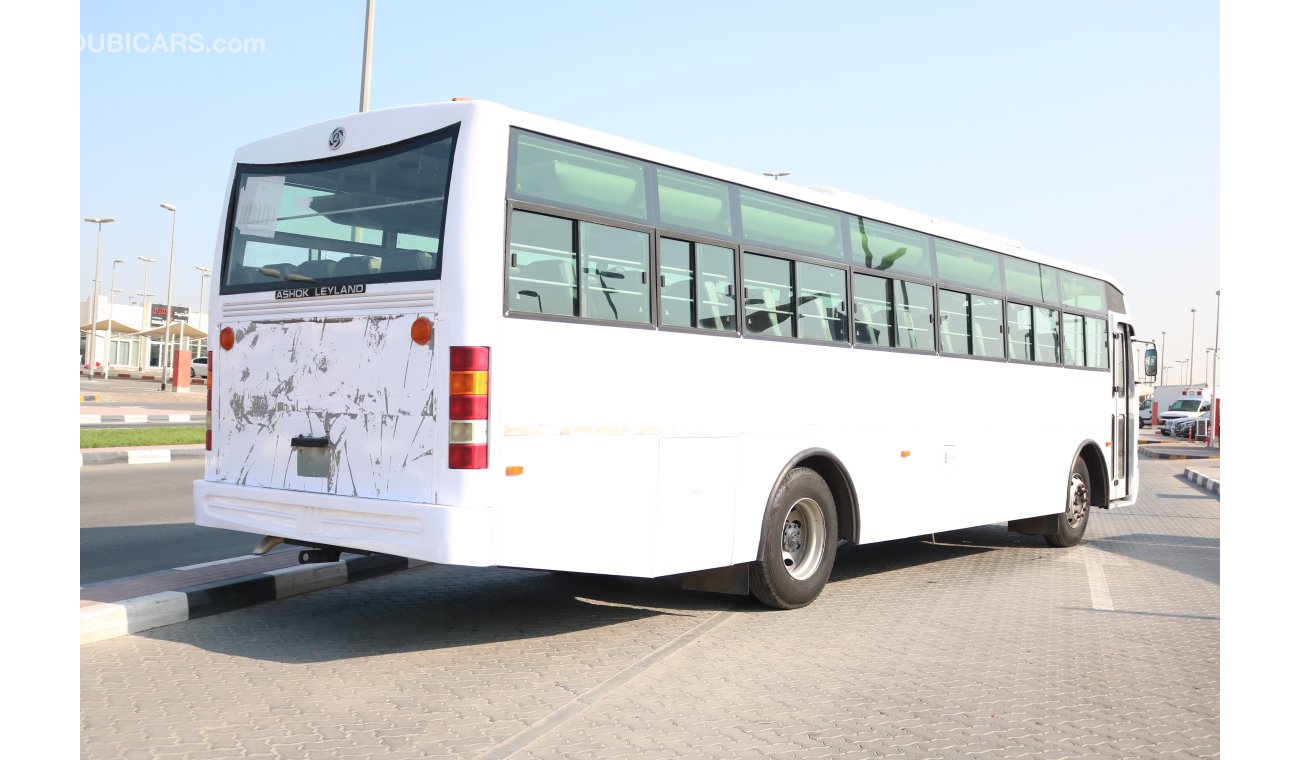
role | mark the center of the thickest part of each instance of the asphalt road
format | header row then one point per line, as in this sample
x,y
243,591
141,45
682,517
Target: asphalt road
x,y
140,519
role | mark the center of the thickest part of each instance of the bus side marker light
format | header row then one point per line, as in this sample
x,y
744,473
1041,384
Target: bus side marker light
x,y
905,454
227,339
514,470
422,331
1108,444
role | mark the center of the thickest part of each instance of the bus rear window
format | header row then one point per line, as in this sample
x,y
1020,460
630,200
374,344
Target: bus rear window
x,y
372,217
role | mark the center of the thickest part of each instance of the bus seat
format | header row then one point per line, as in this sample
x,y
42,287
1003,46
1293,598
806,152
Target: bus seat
x,y
985,345
868,333
543,287
406,261
710,313
813,326
355,266
285,269
773,322
243,276
317,269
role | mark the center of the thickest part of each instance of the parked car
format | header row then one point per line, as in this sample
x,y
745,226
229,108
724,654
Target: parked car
x,y
1180,428
1144,412
199,367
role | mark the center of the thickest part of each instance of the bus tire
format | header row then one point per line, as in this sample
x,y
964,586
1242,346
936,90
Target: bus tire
x,y
797,547
1073,521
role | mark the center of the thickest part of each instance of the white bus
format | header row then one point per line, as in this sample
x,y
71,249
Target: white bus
x,y
469,335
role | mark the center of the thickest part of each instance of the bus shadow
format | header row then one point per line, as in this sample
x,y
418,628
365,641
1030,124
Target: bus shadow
x,y
904,553
437,607
1195,556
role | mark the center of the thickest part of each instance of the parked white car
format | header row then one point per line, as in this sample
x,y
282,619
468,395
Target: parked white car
x,y
199,367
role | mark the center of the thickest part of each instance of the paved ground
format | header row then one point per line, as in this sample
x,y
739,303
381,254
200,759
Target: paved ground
x,y
978,644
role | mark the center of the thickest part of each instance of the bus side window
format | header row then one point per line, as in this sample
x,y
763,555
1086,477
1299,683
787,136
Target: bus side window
x,y
716,273
615,266
542,265
676,284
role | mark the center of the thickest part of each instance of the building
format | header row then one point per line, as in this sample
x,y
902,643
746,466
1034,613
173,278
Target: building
x,y
130,335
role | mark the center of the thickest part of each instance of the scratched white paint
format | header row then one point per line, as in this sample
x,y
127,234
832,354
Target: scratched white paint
x,y
359,381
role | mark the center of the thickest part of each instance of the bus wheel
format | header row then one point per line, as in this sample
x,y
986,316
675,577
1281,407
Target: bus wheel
x,y
1074,520
797,547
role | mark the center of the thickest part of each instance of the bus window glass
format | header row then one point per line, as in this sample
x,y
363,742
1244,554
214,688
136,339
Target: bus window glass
x,y
914,315
1082,292
822,300
769,220
1020,332
871,313
954,322
716,272
986,326
1051,284
1096,343
768,295
694,203
564,174
887,248
615,265
543,265
968,265
1024,279
676,284
1046,336
373,217
1072,339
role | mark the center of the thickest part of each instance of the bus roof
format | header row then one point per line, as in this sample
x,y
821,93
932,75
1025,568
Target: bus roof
x,y
399,124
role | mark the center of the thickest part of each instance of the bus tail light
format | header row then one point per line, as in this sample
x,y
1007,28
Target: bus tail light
x,y
207,435
467,431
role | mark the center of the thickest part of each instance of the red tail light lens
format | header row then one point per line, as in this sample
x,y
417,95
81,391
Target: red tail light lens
x,y
467,444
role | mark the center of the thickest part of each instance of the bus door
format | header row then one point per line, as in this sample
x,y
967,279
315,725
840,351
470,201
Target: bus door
x,y
1123,415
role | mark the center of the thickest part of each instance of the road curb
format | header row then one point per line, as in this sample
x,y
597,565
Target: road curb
x,y
1153,453
1204,481
115,419
140,456
101,621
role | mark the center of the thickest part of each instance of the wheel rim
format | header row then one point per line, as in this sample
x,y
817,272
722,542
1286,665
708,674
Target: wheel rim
x,y
1076,508
802,539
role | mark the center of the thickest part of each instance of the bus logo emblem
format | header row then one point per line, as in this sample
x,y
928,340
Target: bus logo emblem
x,y
336,138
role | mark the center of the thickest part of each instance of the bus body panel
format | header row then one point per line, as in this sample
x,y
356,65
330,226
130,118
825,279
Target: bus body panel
x,y
359,383
643,452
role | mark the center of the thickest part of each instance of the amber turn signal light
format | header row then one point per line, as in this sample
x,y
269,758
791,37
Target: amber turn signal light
x,y
422,331
227,338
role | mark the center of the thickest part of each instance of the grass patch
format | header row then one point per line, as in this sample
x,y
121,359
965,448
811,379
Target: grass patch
x,y
112,438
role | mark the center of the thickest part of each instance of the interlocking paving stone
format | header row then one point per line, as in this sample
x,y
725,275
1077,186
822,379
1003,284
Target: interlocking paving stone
x,y
979,644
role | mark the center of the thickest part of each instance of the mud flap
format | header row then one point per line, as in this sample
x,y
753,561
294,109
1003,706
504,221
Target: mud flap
x,y
719,580
1043,525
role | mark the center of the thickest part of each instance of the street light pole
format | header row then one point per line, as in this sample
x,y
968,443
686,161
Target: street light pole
x,y
1216,340
1162,353
94,304
1191,357
365,56
171,267
145,306
112,288
206,273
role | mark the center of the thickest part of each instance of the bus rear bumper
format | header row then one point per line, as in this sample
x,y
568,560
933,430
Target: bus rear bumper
x,y
430,532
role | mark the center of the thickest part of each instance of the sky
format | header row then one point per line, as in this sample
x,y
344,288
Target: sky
x,y
1087,131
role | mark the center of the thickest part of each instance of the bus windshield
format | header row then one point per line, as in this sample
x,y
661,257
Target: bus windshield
x,y
375,216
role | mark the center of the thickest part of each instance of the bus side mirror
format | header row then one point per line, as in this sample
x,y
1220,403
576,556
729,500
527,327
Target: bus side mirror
x,y
1151,362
